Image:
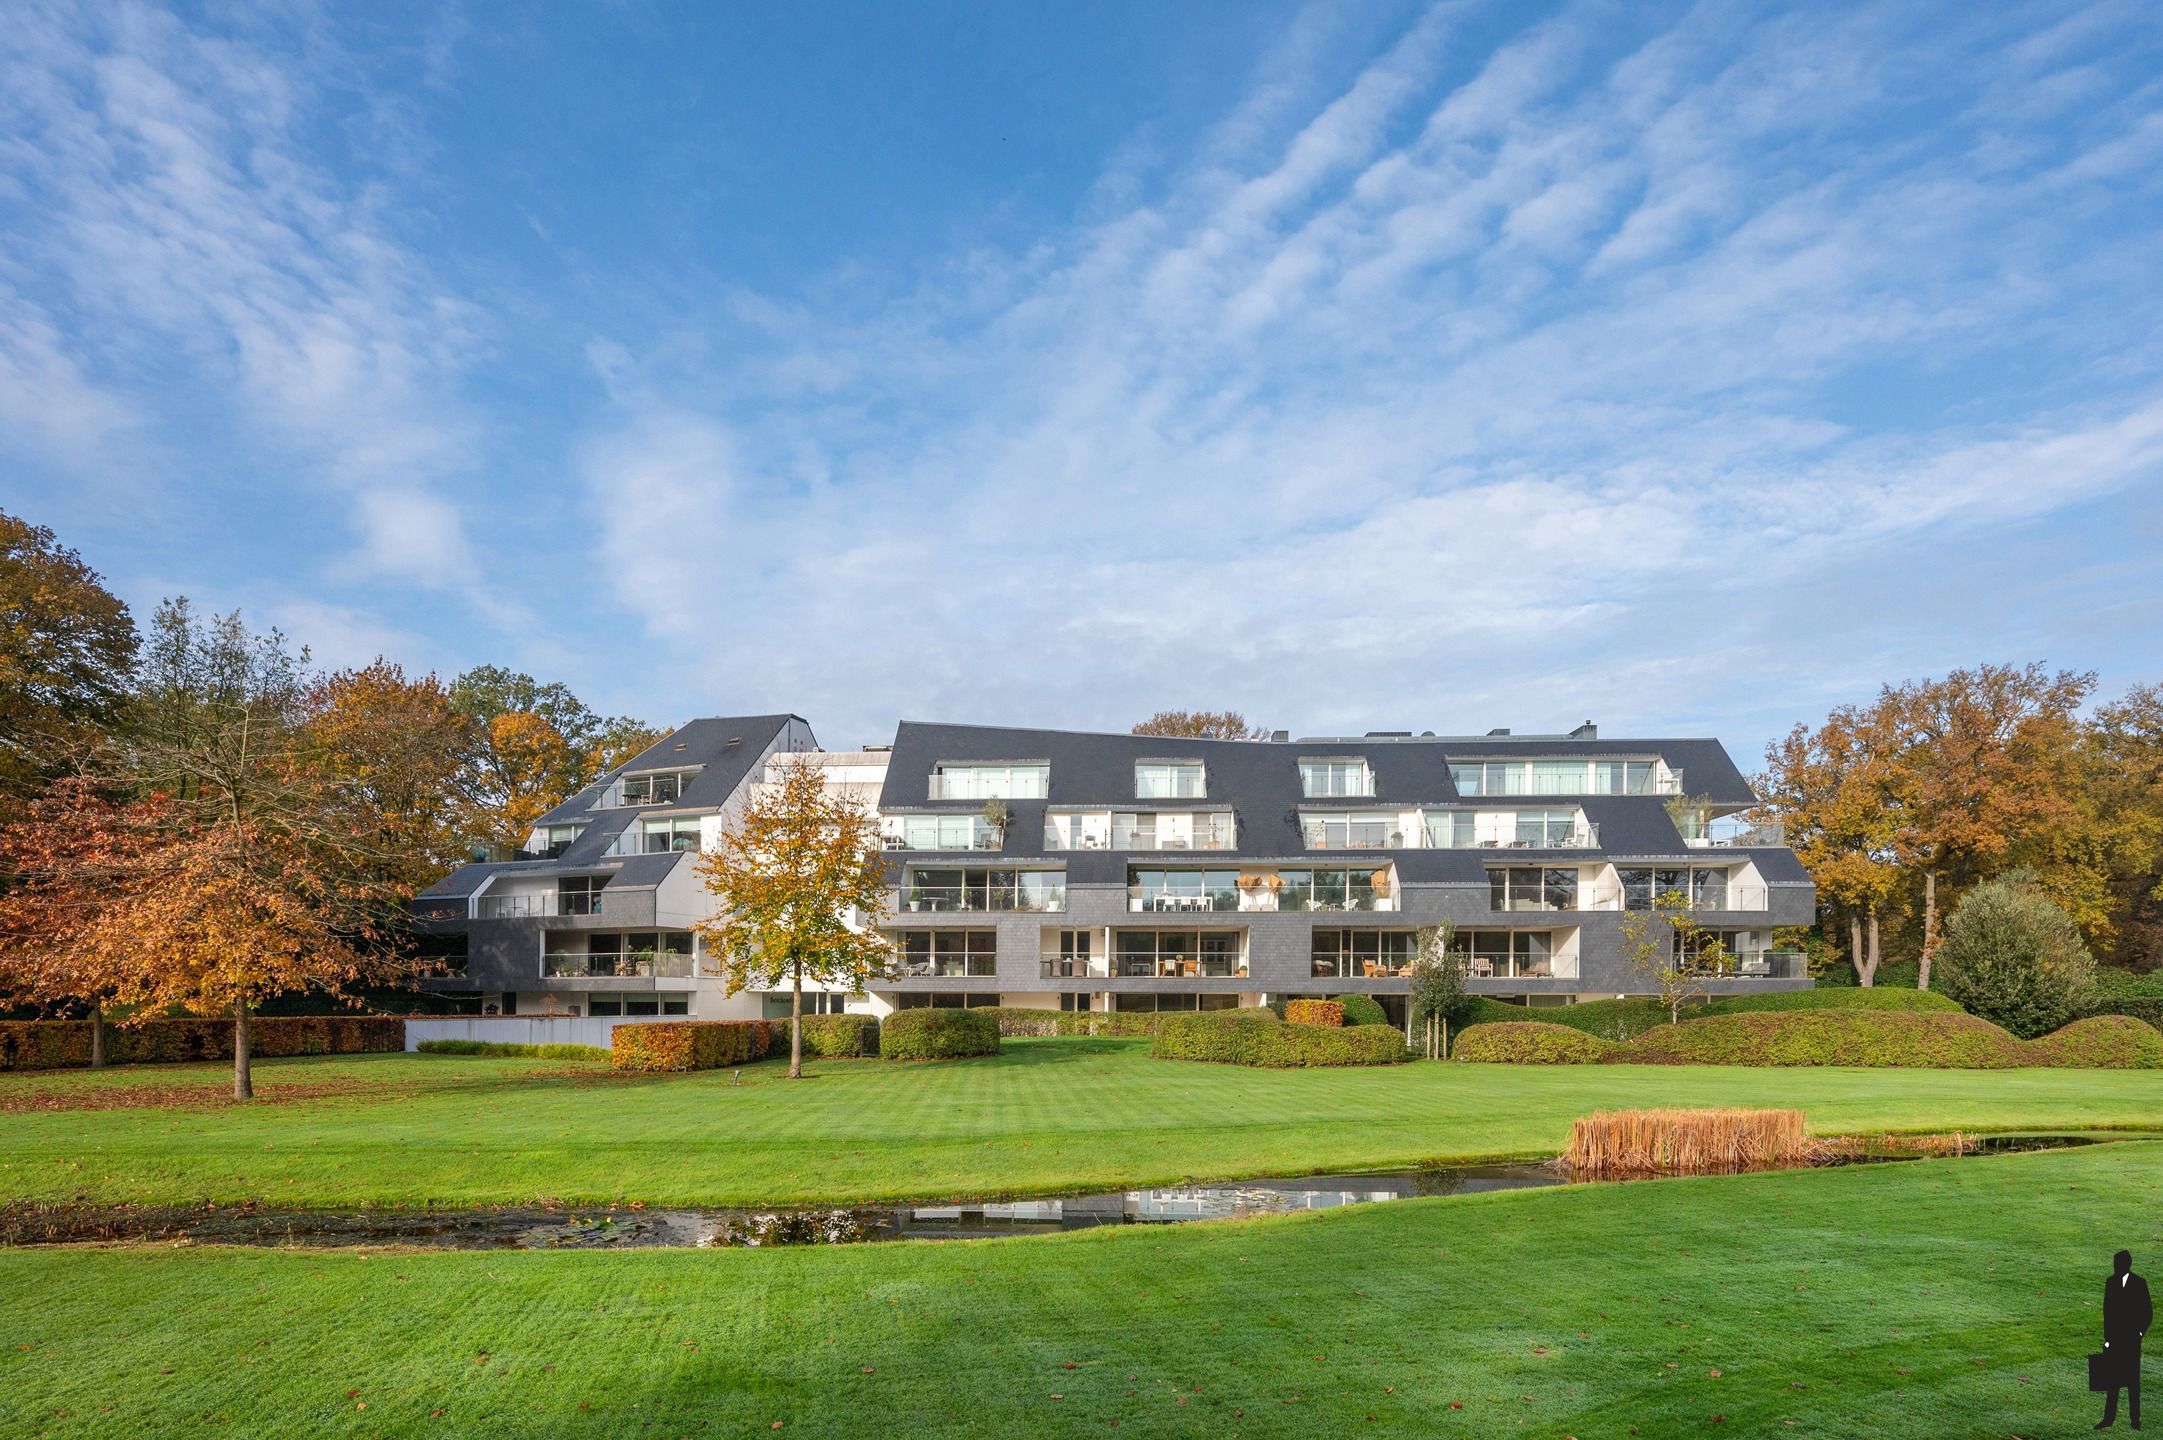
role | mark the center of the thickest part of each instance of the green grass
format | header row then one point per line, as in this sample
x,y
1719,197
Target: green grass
x,y
1047,1115
1918,1300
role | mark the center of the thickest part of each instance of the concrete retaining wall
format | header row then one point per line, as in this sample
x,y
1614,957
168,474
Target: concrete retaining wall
x,y
521,1030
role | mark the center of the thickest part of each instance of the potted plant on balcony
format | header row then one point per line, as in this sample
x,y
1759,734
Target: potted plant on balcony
x,y
995,817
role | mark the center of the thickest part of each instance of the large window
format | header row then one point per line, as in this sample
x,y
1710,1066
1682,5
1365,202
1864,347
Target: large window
x,y
1532,887
640,953
944,889
1168,780
1364,954
1327,779
636,1005
1695,888
1353,830
1171,830
1510,954
1563,777
930,953
579,894
1072,958
970,1001
942,832
1335,890
655,787
989,782
1189,953
1183,890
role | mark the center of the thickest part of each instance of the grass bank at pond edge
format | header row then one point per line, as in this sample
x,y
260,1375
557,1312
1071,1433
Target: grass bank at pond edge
x,y
1917,1300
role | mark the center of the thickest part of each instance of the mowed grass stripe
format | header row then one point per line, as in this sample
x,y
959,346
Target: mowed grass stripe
x,y
1048,1115
1916,1300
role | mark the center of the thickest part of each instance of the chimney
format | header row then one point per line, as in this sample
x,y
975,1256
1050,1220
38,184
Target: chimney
x,y
1586,731
1280,737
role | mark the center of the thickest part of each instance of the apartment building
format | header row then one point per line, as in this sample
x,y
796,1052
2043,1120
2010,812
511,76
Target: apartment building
x,y
1088,871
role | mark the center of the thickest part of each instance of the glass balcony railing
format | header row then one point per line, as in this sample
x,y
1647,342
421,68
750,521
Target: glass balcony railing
x,y
543,905
942,899
665,964
1073,967
1753,965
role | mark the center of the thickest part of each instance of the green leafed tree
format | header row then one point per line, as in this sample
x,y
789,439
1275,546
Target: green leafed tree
x,y
799,884
2013,957
1439,999
67,646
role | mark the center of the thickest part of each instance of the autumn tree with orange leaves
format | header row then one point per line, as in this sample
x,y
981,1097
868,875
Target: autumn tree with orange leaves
x,y
222,860
799,886
538,745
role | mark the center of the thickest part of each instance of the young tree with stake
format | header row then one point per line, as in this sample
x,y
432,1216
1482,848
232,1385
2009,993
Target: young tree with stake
x,y
790,881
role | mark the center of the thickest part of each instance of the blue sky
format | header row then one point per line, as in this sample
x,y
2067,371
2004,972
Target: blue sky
x,y
1686,368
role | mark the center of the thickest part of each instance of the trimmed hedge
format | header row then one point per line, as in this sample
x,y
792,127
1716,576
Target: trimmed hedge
x,y
1360,1010
1923,1039
835,1036
59,1044
1618,1020
1018,1021
2101,1042
1257,1037
1528,1042
2148,1008
512,1048
929,1034
674,1045
1314,1012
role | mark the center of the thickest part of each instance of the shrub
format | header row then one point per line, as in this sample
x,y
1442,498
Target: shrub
x,y
1314,1012
837,1036
55,1044
2147,1008
2101,1042
1021,1020
2012,957
673,1045
1923,1039
1360,1010
513,1048
930,1034
1257,1037
1619,1020
1527,1042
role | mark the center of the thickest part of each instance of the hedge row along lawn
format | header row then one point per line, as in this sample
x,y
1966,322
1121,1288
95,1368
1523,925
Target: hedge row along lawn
x,y
1925,1299
1824,1037
1621,1019
1044,1115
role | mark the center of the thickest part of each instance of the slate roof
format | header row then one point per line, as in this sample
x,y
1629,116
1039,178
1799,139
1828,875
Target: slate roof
x,y
1260,780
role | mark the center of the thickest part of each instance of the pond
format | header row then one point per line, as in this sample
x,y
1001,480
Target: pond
x,y
623,1228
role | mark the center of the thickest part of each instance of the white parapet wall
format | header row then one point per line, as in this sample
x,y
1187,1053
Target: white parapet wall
x,y
528,1030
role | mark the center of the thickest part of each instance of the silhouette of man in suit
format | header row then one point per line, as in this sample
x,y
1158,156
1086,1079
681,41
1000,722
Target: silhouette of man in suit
x,y
2126,1314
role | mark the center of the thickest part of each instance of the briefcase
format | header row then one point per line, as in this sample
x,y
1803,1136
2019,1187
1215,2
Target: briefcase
x,y
2099,1372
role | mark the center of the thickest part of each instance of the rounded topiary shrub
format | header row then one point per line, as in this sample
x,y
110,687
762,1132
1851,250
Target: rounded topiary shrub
x,y
1257,1037
1360,1010
1527,1042
930,1034
1313,1012
835,1036
2013,957
1916,1039
2101,1042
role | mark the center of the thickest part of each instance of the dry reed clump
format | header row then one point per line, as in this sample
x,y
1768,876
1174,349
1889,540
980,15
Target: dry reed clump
x,y
1622,1143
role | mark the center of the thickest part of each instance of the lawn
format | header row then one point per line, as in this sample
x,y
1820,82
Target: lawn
x,y
1047,1115
1922,1299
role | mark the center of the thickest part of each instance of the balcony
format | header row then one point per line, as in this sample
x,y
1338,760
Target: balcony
x,y
1182,967
976,899
1073,967
1753,965
943,967
1725,899
940,832
1772,835
658,965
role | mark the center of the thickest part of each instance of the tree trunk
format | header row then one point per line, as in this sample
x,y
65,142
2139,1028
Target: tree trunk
x,y
97,1037
243,1077
796,1023
1865,972
1930,928
1875,954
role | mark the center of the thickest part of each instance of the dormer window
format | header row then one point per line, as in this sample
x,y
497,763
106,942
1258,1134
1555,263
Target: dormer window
x,y
1331,779
1168,780
654,787
1028,780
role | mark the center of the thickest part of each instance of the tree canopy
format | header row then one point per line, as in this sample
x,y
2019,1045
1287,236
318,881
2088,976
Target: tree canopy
x,y
1201,725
